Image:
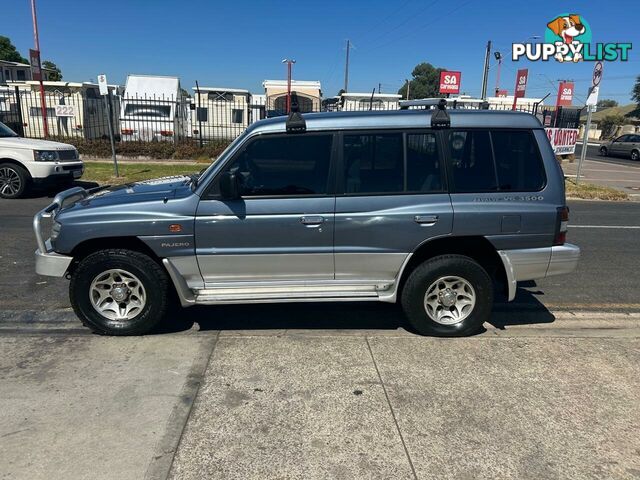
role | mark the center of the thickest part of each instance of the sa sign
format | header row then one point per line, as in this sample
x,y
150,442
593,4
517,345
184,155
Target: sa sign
x,y
450,82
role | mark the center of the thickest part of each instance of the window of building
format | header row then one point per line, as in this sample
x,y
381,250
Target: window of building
x,y
220,97
285,165
21,75
237,115
202,114
373,163
37,112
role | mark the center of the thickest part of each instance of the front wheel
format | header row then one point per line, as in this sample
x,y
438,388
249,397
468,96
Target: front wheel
x,y
119,292
448,296
13,180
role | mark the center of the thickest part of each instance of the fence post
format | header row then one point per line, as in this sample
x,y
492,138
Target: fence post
x,y
198,111
20,124
107,102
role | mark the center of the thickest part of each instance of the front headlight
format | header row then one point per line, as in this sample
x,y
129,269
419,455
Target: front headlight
x,y
45,155
55,231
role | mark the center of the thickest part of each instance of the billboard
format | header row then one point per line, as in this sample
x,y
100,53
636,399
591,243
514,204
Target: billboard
x,y
450,82
565,94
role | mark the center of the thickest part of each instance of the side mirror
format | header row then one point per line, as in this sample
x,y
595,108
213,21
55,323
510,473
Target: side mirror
x,y
230,186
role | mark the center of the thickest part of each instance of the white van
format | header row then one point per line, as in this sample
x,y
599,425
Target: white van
x,y
154,108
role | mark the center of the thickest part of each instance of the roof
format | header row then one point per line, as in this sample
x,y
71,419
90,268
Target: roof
x,y
221,89
630,111
394,96
152,85
14,64
400,119
297,83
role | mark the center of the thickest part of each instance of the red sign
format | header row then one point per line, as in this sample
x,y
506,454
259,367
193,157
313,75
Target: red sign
x,y
503,93
450,82
34,60
565,94
521,85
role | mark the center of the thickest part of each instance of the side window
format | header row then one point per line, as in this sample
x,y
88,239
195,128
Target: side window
x,y
518,161
472,167
373,163
423,164
622,138
202,114
285,165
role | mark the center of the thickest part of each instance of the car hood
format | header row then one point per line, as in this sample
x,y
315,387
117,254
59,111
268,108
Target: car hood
x,y
144,191
34,144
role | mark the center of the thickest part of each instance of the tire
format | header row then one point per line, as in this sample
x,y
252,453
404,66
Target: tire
x,y
603,151
13,180
146,306
635,155
436,273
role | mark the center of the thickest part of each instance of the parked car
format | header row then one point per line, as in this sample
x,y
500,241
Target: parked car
x,y
435,211
623,146
25,162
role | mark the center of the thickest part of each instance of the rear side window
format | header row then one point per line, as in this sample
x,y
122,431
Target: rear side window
x,y
518,161
423,164
373,163
472,167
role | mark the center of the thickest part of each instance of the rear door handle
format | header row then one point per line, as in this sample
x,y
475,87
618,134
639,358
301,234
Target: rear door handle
x,y
312,220
425,219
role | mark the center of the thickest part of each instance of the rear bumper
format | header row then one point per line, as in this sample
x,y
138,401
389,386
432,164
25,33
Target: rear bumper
x,y
536,263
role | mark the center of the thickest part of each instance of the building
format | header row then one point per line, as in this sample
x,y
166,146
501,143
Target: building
x,y
73,109
221,113
368,101
309,94
257,106
18,72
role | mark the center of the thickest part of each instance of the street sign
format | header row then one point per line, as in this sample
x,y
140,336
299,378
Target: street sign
x,y
450,82
521,85
594,89
565,94
36,68
102,85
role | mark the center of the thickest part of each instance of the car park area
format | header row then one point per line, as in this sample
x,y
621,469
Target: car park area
x,y
549,389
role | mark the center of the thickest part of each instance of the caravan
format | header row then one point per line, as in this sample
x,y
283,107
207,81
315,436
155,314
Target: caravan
x,y
154,108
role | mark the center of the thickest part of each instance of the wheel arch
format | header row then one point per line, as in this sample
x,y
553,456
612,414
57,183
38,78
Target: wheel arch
x,y
17,163
87,247
477,248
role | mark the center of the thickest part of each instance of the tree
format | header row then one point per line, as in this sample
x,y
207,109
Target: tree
x,y
425,82
635,94
606,103
341,91
55,74
9,52
608,125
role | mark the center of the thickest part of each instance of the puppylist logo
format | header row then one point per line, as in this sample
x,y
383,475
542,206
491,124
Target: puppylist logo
x,y
568,39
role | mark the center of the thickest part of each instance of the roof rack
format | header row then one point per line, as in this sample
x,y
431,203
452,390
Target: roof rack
x,y
295,122
440,118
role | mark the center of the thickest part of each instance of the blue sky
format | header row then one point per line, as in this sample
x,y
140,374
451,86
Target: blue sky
x,y
241,43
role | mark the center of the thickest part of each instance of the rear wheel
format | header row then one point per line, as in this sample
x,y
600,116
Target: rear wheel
x,y
449,295
13,180
119,292
603,151
635,155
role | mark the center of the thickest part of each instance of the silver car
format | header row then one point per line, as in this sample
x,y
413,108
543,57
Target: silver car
x,y
623,146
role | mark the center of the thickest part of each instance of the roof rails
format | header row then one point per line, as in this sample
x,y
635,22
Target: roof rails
x,y
295,122
440,118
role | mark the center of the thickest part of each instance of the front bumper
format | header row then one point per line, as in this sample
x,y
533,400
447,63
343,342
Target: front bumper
x,y
50,263
536,263
42,172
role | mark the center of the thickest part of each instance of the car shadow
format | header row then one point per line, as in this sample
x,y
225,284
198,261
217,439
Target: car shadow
x,y
526,309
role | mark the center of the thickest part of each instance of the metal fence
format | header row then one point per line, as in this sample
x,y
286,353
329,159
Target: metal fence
x,y
81,113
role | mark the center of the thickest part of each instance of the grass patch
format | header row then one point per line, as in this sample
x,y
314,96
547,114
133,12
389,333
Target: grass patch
x,y
102,172
588,191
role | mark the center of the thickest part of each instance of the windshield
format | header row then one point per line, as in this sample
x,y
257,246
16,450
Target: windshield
x,y
153,111
6,131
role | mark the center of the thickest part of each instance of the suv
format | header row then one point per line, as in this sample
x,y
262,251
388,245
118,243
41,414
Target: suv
x,y
625,145
429,209
26,161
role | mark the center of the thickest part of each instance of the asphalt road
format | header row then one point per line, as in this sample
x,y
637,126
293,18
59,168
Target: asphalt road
x,y
607,277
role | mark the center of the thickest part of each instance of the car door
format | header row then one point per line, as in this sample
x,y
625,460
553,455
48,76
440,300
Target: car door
x,y
281,229
618,145
393,198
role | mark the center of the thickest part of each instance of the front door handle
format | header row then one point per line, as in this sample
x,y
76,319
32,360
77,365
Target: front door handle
x,y
425,219
312,220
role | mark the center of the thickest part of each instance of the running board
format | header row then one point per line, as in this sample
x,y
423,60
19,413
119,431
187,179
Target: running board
x,y
285,293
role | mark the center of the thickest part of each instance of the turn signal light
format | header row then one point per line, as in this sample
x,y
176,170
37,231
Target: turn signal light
x,y
175,228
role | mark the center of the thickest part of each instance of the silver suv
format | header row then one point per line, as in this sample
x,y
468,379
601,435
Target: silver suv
x,y
432,209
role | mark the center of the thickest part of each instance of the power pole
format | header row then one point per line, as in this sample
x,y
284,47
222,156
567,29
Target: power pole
x,y
43,102
408,87
289,63
379,85
485,74
346,68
